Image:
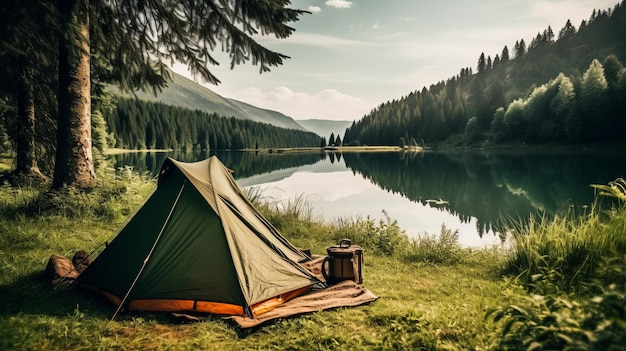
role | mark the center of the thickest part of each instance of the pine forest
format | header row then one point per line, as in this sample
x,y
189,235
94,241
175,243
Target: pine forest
x,y
137,124
568,87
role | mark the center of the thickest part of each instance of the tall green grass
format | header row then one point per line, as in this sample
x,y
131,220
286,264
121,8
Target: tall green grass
x,y
575,270
568,251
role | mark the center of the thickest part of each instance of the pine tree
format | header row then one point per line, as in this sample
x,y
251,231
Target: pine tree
x,y
593,104
505,54
26,47
482,64
612,70
563,106
496,61
620,101
520,48
514,119
498,129
131,43
567,30
550,34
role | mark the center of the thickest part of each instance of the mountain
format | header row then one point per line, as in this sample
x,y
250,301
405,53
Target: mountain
x,y
325,127
183,92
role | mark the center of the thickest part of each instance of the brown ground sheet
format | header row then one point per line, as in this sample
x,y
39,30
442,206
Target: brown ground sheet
x,y
344,294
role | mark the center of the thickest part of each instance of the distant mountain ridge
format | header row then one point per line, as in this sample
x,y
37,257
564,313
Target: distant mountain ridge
x,y
325,127
183,92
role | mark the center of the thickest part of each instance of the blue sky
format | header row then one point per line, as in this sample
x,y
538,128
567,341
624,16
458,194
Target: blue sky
x,y
347,57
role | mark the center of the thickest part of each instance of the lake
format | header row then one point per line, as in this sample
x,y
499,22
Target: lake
x,y
476,193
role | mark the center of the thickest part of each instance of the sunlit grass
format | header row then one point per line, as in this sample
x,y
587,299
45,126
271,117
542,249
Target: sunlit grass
x,y
568,251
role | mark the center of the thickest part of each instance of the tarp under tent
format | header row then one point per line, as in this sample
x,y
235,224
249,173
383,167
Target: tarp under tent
x,y
199,245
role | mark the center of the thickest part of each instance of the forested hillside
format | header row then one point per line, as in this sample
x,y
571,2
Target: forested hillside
x,y
569,86
183,92
137,124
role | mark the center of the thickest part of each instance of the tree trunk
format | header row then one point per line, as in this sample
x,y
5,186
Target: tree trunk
x,y
26,157
74,161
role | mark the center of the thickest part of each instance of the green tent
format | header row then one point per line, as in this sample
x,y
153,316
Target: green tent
x,y
198,244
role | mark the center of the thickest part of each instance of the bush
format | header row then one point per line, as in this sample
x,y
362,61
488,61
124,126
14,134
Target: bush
x,y
384,239
431,248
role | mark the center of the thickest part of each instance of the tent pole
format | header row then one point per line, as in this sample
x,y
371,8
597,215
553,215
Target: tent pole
x,y
145,261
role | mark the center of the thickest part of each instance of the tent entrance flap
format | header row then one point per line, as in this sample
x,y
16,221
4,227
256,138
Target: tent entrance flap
x,y
145,261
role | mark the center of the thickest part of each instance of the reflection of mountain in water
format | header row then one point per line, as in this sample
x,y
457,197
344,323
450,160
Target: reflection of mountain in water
x,y
244,164
490,186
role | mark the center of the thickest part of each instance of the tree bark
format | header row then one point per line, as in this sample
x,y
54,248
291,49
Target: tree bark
x,y
74,161
26,156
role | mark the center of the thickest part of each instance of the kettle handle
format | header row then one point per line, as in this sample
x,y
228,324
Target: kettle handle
x,y
326,259
345,242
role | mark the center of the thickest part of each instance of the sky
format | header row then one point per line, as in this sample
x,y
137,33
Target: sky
x,y
348,57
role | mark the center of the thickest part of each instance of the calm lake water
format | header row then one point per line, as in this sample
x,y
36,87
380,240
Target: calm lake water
x,y
475,193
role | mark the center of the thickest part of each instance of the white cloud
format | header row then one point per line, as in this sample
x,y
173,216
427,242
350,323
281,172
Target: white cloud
x,y
315,9
340,4
333,42
327,104
377,25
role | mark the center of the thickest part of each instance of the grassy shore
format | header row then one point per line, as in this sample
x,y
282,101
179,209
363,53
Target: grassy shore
x,y
434,295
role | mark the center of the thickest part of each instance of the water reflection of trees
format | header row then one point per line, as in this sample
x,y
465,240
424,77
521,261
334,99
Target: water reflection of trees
x,y
244,164
493,188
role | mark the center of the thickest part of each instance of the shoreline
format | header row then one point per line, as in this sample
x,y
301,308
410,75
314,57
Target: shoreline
x,y
339,149
116,151
282,150
510,147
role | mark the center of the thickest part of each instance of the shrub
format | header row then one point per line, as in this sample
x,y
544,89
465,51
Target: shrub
x,y
385,239
432,248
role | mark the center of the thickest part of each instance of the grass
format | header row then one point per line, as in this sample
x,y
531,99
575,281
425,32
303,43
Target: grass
x,y
574,268
570,252
434,295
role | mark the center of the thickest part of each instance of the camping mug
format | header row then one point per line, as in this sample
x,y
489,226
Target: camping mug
x,y
344,262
